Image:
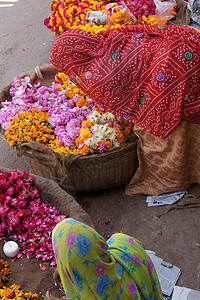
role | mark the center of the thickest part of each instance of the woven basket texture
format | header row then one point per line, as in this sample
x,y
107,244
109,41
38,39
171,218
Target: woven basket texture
x,y
83,173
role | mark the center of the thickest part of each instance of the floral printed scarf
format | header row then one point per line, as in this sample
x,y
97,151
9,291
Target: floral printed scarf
x,y
91,268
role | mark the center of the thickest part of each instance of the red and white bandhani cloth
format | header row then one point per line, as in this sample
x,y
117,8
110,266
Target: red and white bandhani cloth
x,y
146,74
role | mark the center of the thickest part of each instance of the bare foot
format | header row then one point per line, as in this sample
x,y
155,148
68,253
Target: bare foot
x,y
50,297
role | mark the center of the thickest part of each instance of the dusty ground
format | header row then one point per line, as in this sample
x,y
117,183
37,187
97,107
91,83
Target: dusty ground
x,y
174,237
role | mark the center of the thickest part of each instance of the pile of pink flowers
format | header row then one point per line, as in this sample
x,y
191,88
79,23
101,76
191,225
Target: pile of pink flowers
x,y
24,217
141,8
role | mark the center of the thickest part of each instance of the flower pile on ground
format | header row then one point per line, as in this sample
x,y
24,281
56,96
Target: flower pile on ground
x,y
24,217
4,272
60,117
66,14
12,292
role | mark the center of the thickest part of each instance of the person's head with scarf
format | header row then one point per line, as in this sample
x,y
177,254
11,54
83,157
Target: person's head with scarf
x,y
91,268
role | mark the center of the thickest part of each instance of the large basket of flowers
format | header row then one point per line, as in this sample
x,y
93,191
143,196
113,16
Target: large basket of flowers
x,y
67,137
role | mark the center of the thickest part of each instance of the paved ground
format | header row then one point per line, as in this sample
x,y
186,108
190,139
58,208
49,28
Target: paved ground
x,y
25,43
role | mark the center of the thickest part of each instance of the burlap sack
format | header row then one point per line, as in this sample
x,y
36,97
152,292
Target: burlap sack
x,y
166,165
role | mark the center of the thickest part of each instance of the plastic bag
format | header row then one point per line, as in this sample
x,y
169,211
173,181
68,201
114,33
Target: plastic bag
x,y
119,14
97,18
164,10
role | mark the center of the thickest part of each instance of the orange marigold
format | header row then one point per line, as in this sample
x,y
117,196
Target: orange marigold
x,y
82,102
30,126
4,272
78,142
84,150
98,109
120,136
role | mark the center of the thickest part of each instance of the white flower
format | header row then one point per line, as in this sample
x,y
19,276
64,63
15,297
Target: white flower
x,y
93,142
94,117
103,131
107,116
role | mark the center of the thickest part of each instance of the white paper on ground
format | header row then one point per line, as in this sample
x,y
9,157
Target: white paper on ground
x,y
168,274
180,293
165,199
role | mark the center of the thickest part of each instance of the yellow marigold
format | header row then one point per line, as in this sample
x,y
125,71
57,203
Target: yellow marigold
x,y
84,150
85,134
30,126
63,150
60,88
87,123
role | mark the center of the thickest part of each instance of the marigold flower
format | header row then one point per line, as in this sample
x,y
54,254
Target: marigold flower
x,y
4,272
84,150
30,126
82,102
87,123
85,134
14,292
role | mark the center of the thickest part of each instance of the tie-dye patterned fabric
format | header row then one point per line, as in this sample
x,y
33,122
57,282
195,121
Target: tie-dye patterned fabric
x,y
92,269
149,75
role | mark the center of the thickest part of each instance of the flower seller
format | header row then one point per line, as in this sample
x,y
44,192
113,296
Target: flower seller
x,y
91,268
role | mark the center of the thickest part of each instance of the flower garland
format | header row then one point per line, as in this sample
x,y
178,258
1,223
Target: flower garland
x,y
67,14
24,217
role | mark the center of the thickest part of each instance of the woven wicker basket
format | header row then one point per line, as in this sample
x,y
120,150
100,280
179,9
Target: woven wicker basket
x,y
77,172
83,173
